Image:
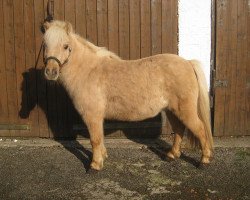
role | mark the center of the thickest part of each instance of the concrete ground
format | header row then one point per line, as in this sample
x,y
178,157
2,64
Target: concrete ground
x,y
45,169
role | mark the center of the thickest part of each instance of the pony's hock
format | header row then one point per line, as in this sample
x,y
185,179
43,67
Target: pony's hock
x,y
104,86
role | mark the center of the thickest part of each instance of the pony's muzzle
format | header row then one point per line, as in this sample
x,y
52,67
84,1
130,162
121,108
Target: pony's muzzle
x,y
51,73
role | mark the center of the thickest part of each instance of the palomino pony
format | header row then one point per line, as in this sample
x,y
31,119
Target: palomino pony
x,y
103,86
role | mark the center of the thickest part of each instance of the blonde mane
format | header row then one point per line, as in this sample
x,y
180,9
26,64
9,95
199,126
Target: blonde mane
x,y
100,51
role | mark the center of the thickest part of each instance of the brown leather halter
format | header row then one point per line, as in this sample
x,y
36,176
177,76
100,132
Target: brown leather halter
x,y
57,60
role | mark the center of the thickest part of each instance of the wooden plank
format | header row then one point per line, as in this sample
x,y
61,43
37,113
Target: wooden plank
x,y
69,14
81,18
175,22
156,26
29,41
167,31
248,75
20,62
56,97
124,29
212,60
170,26
221,64
81,24
61,125
4,115
41,82
113,43
169,45
91,21
102,23
66,117
145,28
230,93
45,3
134,27
9,45
113,37
240,109
51,87
59,9
15,127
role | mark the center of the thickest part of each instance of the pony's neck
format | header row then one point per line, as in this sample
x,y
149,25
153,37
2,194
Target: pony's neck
x,y
90,48
84,57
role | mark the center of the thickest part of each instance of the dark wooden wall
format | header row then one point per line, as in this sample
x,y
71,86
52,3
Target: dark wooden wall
x,y
232,68
29,106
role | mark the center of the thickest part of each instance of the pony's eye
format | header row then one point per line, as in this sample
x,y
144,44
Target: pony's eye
x,y
66,46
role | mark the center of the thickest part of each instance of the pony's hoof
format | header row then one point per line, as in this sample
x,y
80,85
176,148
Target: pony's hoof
x,y
203,166
96,166
170,155
173,155
92,171
205,160
105,156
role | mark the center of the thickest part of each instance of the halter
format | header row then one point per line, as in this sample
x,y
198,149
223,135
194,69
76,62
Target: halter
x,y
57,60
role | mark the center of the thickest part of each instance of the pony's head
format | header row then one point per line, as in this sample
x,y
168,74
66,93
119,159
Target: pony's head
x,y
57,47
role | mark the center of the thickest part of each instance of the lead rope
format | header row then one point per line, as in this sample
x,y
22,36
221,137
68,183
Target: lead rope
x,y
50,11
49,18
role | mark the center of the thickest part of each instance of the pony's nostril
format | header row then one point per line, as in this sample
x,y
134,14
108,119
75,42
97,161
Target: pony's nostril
x,y
47,71
54,72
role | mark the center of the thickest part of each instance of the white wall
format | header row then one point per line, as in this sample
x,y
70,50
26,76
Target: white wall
x,y
195,31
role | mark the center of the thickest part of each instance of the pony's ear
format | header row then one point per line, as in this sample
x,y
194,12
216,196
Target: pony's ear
x,y
68,27
45,26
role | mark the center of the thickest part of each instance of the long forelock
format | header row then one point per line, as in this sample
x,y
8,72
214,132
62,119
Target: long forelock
x,y
55,35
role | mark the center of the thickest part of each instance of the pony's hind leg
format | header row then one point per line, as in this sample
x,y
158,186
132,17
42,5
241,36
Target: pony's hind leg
x,y
197,128
188,115
175,150
178,129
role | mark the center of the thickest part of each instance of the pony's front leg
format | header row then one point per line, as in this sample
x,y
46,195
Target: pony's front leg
x,y
95,128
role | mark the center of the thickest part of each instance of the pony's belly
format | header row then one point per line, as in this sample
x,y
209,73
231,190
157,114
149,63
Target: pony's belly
x,y
131,112
130,116
125,116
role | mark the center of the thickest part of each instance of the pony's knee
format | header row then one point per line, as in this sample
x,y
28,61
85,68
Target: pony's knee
x,y
96,142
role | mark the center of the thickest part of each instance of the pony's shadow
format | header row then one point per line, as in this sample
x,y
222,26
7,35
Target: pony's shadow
x,y
35,93
161,150
53,101
159,146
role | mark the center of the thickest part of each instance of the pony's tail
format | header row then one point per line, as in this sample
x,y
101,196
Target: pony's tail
x,y
203,104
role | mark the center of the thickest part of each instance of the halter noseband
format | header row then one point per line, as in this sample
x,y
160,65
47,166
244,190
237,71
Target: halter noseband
x,y
54,58
57,60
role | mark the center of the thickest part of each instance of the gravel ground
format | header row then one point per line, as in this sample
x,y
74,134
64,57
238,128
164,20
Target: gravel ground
x,y
55,172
